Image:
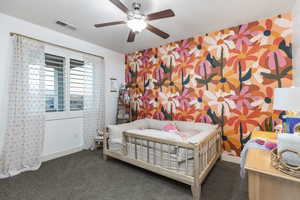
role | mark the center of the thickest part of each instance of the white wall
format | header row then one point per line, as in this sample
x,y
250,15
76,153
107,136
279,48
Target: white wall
x,y
61,135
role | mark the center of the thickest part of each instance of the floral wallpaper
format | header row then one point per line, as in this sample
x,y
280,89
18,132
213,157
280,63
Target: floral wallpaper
x,y
225,77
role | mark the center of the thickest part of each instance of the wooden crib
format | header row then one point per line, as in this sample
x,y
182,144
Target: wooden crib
x,y
162,157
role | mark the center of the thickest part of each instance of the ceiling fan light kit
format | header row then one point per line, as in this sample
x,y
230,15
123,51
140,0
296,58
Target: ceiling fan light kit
x,y
137,21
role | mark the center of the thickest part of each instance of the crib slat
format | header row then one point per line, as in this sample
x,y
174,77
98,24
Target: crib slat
x,y
125,145
186,161
148,158
177,156
135,149
140,151
169,152
154,153
161,154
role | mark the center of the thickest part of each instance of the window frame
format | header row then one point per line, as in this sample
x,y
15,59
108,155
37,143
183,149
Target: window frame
x,y
67,54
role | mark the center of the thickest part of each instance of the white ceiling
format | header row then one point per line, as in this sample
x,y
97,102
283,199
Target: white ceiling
x,y
193,17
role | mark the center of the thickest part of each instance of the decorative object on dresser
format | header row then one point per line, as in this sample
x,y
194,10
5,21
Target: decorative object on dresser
x,y
287,157
288,99
123,109
186,159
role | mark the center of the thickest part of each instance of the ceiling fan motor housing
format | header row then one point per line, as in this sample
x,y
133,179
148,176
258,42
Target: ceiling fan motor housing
x,y
136,14
136,6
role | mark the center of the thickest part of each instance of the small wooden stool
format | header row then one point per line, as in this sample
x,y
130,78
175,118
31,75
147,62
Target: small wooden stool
x,y
99,139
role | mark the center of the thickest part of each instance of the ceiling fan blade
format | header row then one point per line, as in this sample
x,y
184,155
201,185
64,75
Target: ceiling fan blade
x,y
157,31
120,5
160,15
131,36
109,24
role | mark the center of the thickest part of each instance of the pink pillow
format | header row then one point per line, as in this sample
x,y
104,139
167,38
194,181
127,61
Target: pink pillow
x,y
170,128
270,145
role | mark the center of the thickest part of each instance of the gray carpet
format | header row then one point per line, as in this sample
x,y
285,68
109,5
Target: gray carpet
x,y
86,176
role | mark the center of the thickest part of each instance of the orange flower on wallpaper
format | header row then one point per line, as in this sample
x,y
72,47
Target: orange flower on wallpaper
x,y
244,117
225,77
226,83
241,56
184,64
265,33
196,46
185,114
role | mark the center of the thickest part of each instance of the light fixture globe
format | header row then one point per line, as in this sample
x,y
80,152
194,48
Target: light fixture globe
x,y
136,25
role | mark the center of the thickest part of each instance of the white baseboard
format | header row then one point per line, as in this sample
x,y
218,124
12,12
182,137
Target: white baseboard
x,y
61,154
233,159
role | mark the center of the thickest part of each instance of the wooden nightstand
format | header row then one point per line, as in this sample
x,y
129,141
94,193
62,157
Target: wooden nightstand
x,y
265,182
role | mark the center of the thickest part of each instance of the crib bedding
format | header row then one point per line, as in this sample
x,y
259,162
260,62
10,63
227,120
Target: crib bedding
x,y
153,128
196,137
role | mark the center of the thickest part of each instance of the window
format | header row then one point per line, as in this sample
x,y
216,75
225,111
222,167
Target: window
x,y
55,83
65,82
76,84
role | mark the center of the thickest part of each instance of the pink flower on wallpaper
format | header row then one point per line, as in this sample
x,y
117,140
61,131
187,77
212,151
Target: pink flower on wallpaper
x,y
159,74
145,56
158,115
184,99
242,36
183,49
203,119
273,55
243,98
146,97
202,67
280,57
128,78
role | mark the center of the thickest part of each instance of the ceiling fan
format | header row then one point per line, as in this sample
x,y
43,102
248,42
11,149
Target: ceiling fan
x,y
137,21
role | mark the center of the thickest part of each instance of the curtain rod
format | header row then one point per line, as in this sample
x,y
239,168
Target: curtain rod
x,y
56,45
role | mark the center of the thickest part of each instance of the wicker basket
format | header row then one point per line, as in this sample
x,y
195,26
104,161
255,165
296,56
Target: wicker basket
x,y
278,163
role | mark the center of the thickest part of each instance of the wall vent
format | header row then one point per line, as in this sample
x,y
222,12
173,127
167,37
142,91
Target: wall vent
x,y
66,25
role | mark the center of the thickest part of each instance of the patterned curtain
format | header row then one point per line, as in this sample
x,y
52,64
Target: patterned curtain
x,y
94,108
23,140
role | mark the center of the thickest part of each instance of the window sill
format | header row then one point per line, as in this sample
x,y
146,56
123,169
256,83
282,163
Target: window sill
x,y
63,115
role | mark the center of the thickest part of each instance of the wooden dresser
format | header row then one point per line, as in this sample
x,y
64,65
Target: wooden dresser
x,y
265,182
